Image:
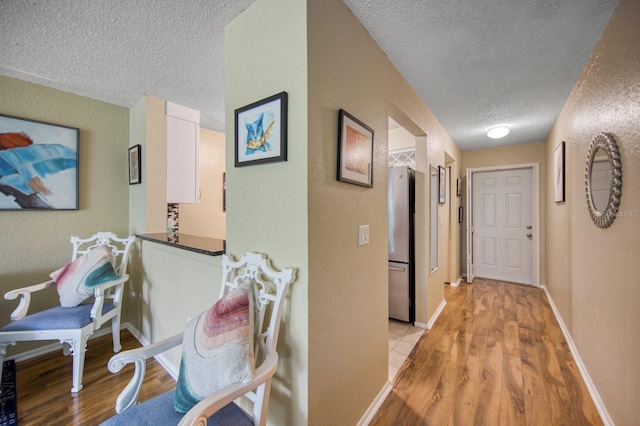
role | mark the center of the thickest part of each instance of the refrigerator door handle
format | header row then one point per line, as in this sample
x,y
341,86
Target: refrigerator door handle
x,y
397,268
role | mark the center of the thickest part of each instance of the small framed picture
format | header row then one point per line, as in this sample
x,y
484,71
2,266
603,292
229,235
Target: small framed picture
x,y
224,192
135,173
558,173
355,150
458,187
442,180
261,131
460,214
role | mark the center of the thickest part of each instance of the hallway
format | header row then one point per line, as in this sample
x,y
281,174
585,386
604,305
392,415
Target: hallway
x,y
495,356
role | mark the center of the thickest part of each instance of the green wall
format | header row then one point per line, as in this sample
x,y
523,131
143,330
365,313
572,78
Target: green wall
x,y
35,243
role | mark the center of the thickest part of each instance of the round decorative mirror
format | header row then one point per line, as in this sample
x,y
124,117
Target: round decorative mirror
x,y
603,179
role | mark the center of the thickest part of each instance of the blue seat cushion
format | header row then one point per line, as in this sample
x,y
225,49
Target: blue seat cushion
x,y
159,411
57,318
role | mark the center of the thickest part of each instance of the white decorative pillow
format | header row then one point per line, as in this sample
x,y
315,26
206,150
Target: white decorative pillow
x,y
76,281
217,349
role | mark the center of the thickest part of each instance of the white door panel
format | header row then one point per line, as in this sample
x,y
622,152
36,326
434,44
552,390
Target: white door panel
x,y
503,222
471,267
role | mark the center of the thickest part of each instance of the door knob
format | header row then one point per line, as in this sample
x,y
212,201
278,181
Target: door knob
x,y
529,235
529,227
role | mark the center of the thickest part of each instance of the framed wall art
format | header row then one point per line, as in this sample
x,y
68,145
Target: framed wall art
x,y
442,185
38,165
355,150
261,131
135,163
558,173
458,187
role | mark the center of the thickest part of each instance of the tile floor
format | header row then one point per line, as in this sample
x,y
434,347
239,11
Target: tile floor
x,y
402,338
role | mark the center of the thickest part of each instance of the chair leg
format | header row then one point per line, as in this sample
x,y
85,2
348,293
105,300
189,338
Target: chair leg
x,y
262,401
115,331
79,348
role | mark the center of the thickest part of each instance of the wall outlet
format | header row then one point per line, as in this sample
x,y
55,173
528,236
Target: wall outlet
x,y
363,235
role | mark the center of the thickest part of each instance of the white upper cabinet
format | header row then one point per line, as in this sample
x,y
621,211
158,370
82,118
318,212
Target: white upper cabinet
x,y
183,144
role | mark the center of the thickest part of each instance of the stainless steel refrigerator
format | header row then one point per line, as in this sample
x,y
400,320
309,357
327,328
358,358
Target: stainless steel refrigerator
x,y
401,244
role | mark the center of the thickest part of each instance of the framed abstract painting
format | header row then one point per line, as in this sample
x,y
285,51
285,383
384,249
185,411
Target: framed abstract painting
x,y
38,165
355,150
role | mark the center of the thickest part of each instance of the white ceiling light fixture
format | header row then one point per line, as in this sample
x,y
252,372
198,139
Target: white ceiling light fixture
x,y
498,132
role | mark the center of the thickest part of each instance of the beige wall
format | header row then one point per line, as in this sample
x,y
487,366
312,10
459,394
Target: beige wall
x,y
206,218
35,243
348,284
148,128
400,138
528,153
592,273
148,210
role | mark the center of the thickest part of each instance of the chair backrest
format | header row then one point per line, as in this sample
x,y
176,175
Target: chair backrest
x,y
120,248
270,287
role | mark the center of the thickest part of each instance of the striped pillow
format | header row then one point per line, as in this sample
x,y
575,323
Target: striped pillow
x,y
217,349
76,281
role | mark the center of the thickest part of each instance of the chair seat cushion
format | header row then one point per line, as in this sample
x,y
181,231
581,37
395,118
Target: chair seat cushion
x,y
159,411
57,318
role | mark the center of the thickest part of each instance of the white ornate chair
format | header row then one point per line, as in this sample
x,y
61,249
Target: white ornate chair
x,y
73,326
269,290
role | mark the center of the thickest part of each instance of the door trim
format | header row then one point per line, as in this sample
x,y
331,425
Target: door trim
x,y
535,168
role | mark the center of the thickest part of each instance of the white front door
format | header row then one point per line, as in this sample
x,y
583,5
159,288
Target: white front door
x,y
503,225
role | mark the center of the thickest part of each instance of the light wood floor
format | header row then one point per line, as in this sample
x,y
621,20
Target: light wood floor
x,y
495,356
44,385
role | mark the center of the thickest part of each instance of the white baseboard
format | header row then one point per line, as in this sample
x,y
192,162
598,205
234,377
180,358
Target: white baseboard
x,y
436,314
602,410
376,404
433,319
421,325
162,360
458,281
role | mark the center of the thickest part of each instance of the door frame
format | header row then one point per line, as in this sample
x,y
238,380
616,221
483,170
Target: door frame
x,y
535,205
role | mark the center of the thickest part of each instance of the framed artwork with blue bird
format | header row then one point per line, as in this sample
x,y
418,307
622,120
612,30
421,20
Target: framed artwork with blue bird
x,y
261,131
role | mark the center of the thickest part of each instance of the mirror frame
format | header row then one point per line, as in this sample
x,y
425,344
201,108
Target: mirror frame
x,y
604,219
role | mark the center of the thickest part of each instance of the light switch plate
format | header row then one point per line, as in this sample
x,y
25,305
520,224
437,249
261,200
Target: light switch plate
x,y
363,235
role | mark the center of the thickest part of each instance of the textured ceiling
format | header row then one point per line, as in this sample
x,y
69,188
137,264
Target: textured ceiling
x,y
475,64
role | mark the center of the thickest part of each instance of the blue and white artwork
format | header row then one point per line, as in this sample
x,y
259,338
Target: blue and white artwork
x,y
261,131
38,165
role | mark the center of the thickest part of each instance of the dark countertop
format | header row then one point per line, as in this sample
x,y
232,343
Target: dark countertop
x,y
204,245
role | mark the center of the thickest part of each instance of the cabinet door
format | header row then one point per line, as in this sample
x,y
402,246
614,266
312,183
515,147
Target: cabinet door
x,y
183,142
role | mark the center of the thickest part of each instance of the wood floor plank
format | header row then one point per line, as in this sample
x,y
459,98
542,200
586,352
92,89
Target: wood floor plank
x,y
43,385
439,409
496,356
512,403
467,391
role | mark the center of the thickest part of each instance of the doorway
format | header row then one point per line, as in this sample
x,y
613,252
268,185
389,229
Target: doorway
x,y
503,218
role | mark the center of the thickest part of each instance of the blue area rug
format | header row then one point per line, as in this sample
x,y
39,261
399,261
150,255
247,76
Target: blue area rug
x,y
8,397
